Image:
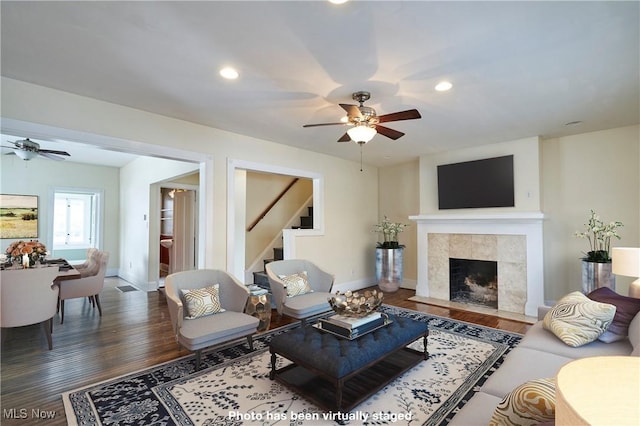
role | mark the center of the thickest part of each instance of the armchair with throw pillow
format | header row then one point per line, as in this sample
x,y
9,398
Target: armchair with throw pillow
x,y
300,288
206,307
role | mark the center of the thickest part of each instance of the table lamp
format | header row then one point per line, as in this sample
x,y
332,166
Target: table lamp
x,y
626,261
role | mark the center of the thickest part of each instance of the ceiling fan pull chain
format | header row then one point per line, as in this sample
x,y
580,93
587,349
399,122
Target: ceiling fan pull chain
x,y
360,155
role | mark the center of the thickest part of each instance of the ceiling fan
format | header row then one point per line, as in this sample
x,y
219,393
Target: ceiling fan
x,y
366,123
28,149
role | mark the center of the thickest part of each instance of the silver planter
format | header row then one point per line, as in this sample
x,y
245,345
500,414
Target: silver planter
x,y
389,269
596,275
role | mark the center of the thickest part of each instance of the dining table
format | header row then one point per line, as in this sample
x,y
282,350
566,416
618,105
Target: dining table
x,y
66,271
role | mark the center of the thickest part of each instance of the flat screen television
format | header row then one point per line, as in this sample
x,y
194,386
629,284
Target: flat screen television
x,y
476,184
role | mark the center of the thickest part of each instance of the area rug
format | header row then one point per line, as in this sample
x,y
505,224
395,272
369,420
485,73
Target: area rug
x,y
233,387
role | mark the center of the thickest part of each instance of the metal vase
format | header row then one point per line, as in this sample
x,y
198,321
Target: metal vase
x,y
596,275
389,269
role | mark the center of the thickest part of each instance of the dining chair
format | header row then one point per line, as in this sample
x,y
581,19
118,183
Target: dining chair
x,y
29,296
86,286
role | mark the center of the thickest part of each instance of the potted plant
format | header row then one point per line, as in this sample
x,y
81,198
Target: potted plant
x,y
389,255
596,265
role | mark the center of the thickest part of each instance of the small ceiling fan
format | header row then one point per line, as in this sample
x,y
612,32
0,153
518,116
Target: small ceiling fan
x,y
28,149
366,123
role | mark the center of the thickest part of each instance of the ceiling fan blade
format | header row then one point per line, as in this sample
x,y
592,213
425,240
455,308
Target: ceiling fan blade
x,y
390,133
52,151
51,156
410,114
322,124
352,110
345,138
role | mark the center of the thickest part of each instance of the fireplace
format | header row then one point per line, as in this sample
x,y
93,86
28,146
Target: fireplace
x,y
513,240
473,281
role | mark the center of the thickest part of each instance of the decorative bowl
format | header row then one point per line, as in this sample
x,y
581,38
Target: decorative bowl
x,y
356,304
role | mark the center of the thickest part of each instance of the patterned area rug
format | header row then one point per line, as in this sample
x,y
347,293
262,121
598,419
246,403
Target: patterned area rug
x,y
233,387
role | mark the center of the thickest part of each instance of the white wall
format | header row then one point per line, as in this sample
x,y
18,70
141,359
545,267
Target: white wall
x,y
525,166
138,204
350,196
40,176
599,171
399,198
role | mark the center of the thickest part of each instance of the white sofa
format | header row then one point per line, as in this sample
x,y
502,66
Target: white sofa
x,y
539,355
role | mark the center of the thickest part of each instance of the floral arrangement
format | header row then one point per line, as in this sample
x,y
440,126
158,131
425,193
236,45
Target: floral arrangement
x,y
599,236
33,249
390,231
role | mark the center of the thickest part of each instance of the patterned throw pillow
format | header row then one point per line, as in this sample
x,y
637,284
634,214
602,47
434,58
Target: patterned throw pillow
x,y
297,284
578,320
626,310
531,403
202,301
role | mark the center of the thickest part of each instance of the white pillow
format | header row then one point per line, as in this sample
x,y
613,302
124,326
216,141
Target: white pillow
x,y
201,302
578,320
297,284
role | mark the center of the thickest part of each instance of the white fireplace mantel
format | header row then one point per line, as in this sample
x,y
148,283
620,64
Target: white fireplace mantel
x,y
529,224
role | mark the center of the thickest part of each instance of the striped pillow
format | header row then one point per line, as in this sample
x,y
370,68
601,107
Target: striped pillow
x,y
202,301
297,284
578,320
531,403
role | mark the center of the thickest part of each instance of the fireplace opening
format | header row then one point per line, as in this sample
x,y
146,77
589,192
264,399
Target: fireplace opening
x,y
473,281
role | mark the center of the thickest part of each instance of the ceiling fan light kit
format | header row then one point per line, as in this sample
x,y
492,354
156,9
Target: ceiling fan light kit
x,y
366,122
27,149
361,133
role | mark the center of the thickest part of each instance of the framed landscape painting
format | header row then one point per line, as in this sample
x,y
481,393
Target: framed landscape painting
x,y
18,216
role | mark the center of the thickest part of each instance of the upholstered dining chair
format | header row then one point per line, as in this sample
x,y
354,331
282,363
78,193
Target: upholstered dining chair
x,y
29,296
300,288
88,285
206,307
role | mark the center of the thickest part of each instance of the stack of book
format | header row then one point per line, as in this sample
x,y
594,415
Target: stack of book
x,y
352,327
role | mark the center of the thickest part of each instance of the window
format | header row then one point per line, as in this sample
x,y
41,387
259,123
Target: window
x,y
75,219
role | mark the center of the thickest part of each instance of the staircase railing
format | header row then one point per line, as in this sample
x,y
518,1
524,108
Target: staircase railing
x,y
270,206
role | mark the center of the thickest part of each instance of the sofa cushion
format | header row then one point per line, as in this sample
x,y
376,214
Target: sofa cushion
x,y
544,340
522,365
199,302
306,305
219,328
578,320
529,404
477,411
626,310
297,284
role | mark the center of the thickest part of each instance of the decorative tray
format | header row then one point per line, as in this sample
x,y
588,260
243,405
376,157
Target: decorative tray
x,y
350,334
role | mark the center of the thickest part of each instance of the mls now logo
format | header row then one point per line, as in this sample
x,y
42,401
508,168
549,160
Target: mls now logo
x,y
23,413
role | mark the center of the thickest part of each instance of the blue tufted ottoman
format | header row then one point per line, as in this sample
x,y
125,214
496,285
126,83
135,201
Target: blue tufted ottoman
x,y
337,373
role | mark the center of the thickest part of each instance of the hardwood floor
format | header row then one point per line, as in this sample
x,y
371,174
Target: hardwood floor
x,y
134,333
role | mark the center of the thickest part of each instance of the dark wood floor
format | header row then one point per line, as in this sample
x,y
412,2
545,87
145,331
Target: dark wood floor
x,y
133,333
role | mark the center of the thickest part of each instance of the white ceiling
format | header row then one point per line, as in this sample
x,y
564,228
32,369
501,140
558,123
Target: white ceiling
x,y
519,69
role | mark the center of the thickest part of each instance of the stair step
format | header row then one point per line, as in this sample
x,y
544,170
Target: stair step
x,y
261,280
306,222
278,253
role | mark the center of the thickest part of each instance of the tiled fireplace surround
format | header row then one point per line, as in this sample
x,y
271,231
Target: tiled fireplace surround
x,y
514,240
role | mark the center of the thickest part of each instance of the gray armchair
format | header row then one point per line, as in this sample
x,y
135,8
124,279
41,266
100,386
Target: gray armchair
x,y
205,331
304,305
29,296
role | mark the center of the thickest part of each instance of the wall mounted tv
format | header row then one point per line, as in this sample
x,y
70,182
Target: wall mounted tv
x,y
476,184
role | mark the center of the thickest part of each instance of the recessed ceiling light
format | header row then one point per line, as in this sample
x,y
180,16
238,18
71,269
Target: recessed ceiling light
x,y
338,1
443,86
229,73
